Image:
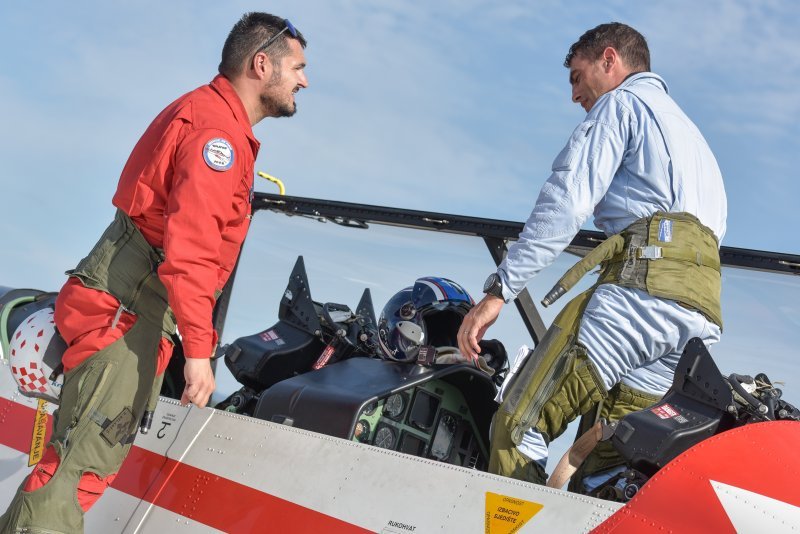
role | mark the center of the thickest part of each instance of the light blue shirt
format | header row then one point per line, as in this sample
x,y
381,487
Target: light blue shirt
x,y
635,153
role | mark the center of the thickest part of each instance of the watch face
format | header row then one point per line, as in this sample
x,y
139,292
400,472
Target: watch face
x,y
490,282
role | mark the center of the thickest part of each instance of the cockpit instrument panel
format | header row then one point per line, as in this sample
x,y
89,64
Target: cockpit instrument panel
x,y
431,420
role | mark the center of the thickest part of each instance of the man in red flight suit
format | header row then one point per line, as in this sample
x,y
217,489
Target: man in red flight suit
x,y
183,211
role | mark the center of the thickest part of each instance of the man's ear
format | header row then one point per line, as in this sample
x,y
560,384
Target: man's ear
x,y
610,58
261,66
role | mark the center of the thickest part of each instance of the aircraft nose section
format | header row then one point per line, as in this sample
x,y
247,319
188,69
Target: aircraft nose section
x,y
757,493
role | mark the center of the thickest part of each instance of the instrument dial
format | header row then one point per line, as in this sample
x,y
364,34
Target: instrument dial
x,y
361,432
443,439
385,437
395,405
369,409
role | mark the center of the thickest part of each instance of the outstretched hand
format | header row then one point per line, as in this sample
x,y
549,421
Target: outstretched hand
x,y
199,382
475,324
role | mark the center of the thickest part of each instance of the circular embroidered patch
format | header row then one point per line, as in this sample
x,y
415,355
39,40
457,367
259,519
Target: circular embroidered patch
x,y
218,154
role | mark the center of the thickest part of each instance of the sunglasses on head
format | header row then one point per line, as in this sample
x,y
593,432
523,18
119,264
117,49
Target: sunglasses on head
x,y
289,27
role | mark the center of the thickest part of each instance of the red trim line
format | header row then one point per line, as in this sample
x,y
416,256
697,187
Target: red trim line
x,y
194,493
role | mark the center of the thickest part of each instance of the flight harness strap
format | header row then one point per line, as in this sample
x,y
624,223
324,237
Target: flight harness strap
x,y
668,255
125,265
681,262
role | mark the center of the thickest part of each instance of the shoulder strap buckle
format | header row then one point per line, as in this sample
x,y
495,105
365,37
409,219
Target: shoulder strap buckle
x,y
650,252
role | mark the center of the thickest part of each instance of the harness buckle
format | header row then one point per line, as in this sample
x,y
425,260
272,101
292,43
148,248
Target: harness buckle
x,y
650,252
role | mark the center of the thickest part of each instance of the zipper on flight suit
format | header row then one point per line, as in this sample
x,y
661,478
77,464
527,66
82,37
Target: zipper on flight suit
x,y
89,407
533,411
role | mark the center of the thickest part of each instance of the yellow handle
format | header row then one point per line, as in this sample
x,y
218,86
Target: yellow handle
x,y
276,181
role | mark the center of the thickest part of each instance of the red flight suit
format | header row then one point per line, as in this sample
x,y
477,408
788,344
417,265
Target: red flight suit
x,y
188,187
192,209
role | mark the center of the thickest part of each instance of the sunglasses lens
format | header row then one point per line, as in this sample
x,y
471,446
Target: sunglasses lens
x,y
291,28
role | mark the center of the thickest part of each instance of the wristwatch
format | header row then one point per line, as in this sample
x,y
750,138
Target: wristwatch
x,y
494,286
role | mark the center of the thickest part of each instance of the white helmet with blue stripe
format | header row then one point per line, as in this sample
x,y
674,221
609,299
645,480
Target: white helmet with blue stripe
x,y
429,313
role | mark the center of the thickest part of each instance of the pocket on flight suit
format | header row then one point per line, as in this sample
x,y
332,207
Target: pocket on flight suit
x,y
242,200
90,387
44,470
566,158
91,487
81,397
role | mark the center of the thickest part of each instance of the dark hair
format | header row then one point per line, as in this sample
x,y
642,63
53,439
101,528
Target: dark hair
x,y
630,44
250,33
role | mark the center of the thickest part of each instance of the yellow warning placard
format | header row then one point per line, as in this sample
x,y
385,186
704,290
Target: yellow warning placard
x,y
505,515
39,434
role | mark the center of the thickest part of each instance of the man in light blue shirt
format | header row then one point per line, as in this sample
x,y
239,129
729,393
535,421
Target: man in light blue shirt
x,y
636,154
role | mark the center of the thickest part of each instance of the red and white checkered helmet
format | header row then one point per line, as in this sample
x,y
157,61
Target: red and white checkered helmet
x,y
35,352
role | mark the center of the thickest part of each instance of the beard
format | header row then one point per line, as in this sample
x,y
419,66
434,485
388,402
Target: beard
x,y
271,103
272,107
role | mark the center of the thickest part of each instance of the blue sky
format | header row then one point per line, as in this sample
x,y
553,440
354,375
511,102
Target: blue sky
x,y
452,106
455,106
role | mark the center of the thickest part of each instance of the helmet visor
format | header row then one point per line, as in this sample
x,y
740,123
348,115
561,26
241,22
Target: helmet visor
x,y
408,338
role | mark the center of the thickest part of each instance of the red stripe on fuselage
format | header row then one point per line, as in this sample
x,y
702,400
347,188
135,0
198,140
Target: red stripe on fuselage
x,y
16,421
194,493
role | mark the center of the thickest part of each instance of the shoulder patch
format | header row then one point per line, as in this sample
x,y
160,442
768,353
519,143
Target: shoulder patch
x,y
218,154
